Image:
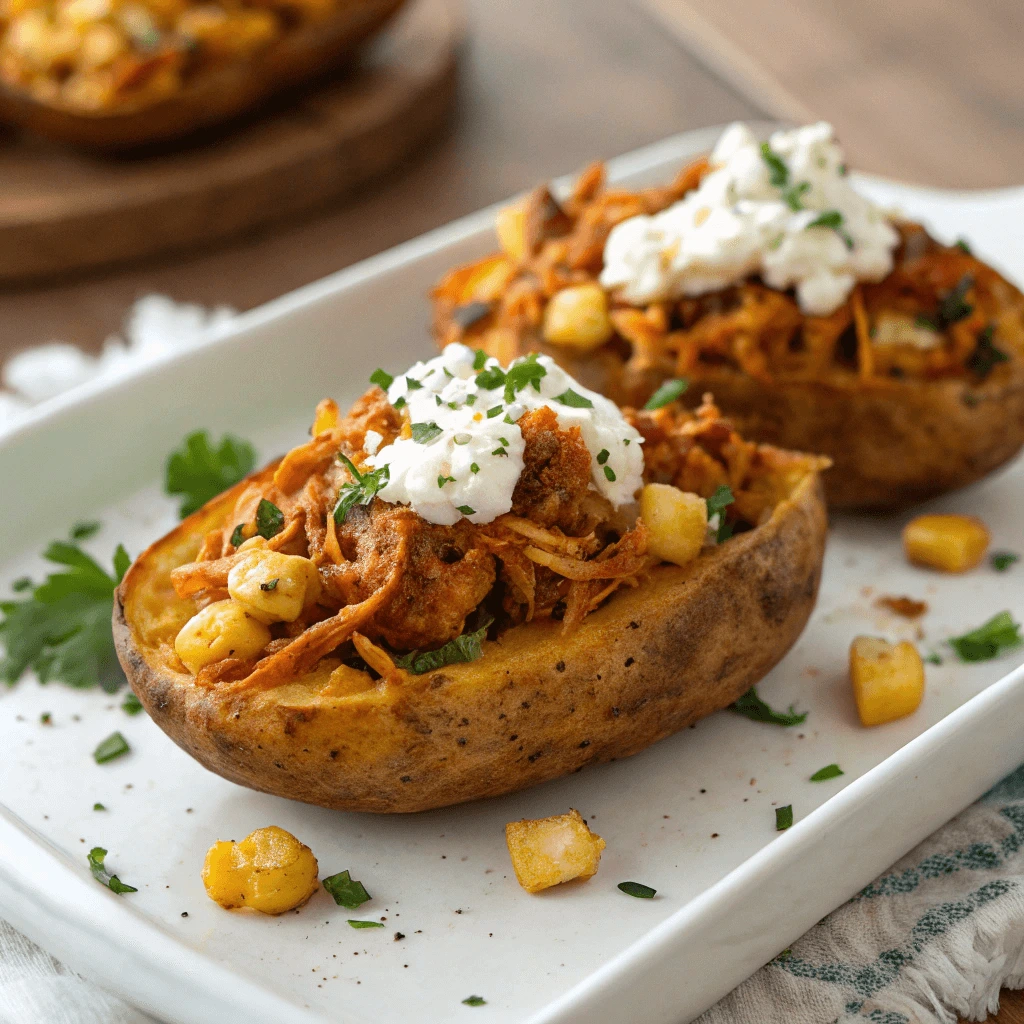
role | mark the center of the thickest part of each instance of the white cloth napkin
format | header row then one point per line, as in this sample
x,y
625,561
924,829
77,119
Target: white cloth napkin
x,y
929,942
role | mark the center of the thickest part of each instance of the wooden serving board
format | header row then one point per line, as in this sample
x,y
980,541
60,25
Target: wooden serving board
x,y
64,211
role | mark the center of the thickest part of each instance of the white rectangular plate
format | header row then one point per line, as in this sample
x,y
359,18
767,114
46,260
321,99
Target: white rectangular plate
x,y
693,816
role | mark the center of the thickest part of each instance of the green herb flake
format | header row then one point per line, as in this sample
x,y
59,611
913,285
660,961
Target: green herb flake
x,y
362,489
720,500
793,195
97,855
479,359
609,474
499,451
474,468
523,374
382,379
637,889
270,584
269,519
61,630
783,818
751,706
961,244
466,510
830,771
412,384
474,1001
238,536
437,400
347,892
989,640
495,410
933,659
46,718
833,220
199,471
399,403
602,456
925,322
1002,560
470,399
364,924
131,705
113,747
572,399
21,584
778,172
85,530
668,392
491,378
465,648
98,807
953,307
442,480
424,433
986,356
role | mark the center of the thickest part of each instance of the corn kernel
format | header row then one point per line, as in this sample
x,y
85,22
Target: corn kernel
x,y
221,630
577,317
510,225
273,587
326,416
948,543
269,871
676,521
549,851
887,679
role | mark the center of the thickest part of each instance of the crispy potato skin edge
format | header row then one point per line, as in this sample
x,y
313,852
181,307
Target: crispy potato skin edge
x,y
536,706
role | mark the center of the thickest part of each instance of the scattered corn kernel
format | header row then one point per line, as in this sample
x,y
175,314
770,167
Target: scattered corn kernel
x,y
510,225
577,317
948,543
273,587
676,521
548,851
269,871
887,679
221,630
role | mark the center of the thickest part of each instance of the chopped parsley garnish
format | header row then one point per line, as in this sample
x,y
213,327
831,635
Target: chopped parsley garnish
x,y
953,306
97,855
269,519
783,818
424,433
474,468
602,456
495,410
412,384
114,746
465,648
778,172
986,356
522,375
668,392
198,471
491,378
961,244
637,889
238,535
570,398
609,474
792,195
46,718
382,379
830,771
466,510
131,705
270,584
717,504
470,399
347,892
442,480
61,630
479,359
21,584
474,1001
437,400
499,451
503,441
1002,560
509,420
83,531
933,659
98,807
989,640
365,924
751,706
361,491
399,402
833,220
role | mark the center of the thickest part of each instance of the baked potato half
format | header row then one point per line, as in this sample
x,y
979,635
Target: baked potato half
x,y
913,385
118,76
554,684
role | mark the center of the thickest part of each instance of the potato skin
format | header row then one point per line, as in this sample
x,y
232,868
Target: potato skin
x,y
536,706
214,97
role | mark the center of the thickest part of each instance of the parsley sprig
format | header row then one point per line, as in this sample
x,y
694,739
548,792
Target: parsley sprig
x,y
464,648
751,706
361,491
198,471
989,640
62,629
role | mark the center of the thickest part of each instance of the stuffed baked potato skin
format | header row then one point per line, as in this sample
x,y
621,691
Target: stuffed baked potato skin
x,y
214,97
536,706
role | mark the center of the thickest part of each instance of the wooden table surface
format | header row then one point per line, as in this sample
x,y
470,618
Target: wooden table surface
x,y
925,89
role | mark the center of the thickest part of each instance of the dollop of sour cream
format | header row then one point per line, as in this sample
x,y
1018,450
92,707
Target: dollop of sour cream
x,y
786,213
465,455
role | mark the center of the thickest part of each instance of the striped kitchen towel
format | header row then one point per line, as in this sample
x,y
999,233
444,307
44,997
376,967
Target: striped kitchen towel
x,y
930,942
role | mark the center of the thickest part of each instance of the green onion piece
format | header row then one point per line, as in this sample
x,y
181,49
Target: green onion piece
x,y
365,924
637,889
783,817
830,771
96,858
609,473
114,746
602,456
474,1001
131,705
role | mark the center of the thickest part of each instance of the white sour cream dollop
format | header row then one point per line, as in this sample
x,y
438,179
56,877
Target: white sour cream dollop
x,y
466,453
753,214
